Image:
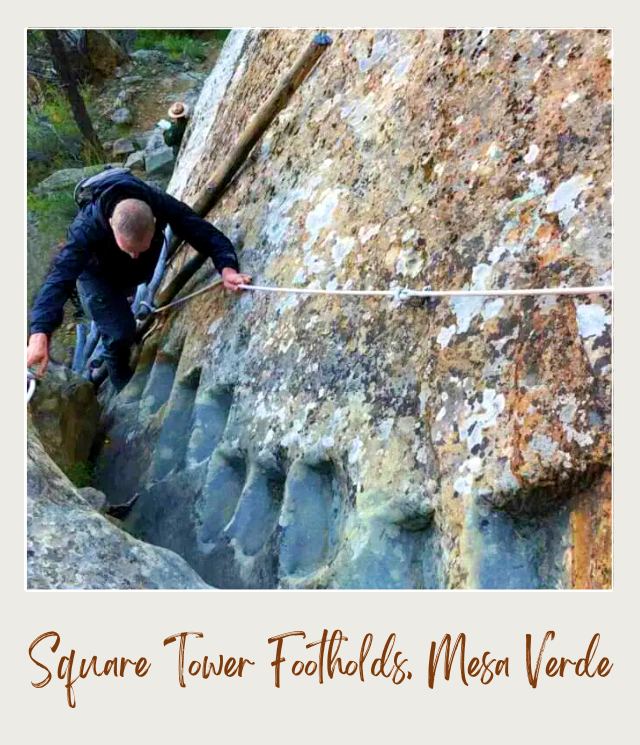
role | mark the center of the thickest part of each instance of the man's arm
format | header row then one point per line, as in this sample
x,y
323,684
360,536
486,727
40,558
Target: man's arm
x,y
48,308
202,235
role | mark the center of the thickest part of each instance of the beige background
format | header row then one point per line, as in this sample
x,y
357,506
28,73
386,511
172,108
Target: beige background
x,y
154,709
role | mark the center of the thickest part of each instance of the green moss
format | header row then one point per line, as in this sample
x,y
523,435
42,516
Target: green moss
x,y
187,45
49,217
53,139
57,110
53,211
81,474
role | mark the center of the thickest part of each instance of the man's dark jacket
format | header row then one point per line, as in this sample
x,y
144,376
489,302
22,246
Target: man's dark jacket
x,y
91,249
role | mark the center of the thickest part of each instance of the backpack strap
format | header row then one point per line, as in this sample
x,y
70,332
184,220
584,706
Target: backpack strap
x,y
89,188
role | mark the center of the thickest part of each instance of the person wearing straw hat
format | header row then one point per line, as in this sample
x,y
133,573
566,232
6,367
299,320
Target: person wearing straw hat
x,y
179,115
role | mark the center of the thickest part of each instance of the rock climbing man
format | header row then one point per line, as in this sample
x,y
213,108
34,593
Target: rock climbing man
x,y
112,246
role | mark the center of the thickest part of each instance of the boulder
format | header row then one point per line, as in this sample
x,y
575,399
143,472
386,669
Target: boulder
x,y
121,116
148,56
123,97
64,412
155,140
159,160
93,54
66,178
104,52
122,147
141,139
160,182
72,546
135,161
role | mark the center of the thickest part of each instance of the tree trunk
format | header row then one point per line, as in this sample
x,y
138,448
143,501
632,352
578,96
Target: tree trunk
x,y
68,82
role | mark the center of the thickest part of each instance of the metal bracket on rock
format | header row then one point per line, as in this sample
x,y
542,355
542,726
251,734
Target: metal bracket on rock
x,y
323,39
145,310
401,294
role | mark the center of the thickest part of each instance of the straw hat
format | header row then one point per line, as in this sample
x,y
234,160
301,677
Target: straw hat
x,y
178,110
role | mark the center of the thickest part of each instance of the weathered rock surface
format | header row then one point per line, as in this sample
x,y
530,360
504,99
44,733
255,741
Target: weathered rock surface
x,y
135,161
44,233
141,139
146,56
103,52
66,178
121,115
153,140
95,498
278,440
71,546
64,411
122,147
159,161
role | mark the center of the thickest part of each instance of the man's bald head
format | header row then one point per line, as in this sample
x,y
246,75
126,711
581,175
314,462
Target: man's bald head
x,y
133,225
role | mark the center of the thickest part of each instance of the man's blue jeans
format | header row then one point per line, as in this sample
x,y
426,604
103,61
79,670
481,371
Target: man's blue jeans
x,y
111,311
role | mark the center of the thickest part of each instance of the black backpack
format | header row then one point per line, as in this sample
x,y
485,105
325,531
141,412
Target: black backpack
x,y
91,187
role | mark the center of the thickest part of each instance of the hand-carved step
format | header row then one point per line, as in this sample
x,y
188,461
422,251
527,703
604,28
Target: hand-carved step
x,y
256,515
159,384
517,553
127,448
164,514
176,427
393,557
220,494
132,392
210,413
309,518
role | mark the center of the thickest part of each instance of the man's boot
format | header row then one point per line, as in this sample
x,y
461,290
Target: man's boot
x,y
119,373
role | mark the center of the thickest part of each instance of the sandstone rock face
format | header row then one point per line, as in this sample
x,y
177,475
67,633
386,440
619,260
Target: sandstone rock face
x,y
71,546
290,441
